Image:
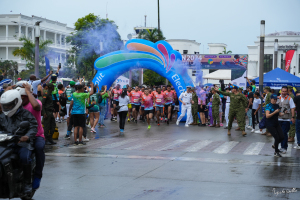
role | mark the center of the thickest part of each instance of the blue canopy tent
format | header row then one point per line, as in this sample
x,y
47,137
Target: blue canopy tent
x,y
279,78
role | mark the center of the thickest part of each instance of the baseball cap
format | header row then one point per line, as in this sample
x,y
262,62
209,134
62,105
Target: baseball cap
x,y
124,87
19,79
72,83
274,96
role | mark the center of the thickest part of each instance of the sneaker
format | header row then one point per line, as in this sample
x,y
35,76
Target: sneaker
x,y
258,131
252,131
59,121
277,154
168,122
226,127
122,130
67,137
186,125
93,130
283,151
81,143
158,124
221,124
75,143
36,183
56,120
128,120
85,139
149,126
249,127
297,147
177,122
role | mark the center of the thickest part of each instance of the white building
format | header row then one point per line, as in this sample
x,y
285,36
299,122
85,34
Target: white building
x,y
185,46
14,26
216,48
286,40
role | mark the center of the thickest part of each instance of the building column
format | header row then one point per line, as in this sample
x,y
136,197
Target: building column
x,y
6,32
32,34
60,39
20,28
26,31
59,57
6,53
45,35
55,35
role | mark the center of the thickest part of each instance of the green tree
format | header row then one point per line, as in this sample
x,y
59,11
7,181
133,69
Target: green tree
x,y
225,51
10,68
90,31
152,35
27,52
151,77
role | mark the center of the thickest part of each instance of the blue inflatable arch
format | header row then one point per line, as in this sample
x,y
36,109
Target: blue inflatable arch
x,y
138,53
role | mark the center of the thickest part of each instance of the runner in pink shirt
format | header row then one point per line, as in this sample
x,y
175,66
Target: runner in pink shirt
x,y
115,96
147,99
142,113
169,95
135,98
35,107
159,100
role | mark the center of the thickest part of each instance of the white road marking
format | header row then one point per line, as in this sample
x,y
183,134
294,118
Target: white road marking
x,y
226,147
254,148
183,159
138,146
197,146
101,140
170,145
117,144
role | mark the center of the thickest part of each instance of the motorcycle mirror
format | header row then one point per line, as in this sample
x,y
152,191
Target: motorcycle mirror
x,y
24,124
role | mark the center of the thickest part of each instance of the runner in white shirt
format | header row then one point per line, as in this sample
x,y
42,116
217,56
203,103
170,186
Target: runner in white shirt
x,y
186,99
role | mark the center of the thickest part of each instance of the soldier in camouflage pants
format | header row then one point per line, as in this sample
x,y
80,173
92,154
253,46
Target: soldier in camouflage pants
x,y
292,130
194,107
238,103
215,108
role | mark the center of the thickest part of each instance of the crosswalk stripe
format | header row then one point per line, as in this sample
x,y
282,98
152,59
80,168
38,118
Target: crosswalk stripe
x,y
92,144
226,147
254,148
142,145
170,145
197,146
117,144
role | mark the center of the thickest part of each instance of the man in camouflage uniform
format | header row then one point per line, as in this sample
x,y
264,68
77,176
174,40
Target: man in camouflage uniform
x,y
292,126
242,106
194,107
238,103
47,112
215,108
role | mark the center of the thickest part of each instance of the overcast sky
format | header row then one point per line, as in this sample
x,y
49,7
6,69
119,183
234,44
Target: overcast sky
x,y
233,22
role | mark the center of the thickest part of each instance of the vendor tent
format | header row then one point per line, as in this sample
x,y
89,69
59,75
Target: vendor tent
x,y
279,78
241,81
219,74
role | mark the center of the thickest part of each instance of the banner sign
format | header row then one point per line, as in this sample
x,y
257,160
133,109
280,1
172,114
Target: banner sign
x,y
236,62
288,59
47,65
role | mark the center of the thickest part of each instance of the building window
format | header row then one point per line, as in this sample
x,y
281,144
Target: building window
x,y
196,52
185,51
268,62
282,63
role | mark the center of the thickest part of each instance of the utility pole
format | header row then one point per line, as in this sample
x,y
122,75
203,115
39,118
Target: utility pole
x,y
275,53
261,58
145,20
37,41
158,16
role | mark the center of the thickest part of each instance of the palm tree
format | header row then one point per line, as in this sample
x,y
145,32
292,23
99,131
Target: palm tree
x,y
27,52
153,35
226,52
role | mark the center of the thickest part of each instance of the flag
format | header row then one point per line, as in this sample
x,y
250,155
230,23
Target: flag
x,y
8,81
47,65
288,59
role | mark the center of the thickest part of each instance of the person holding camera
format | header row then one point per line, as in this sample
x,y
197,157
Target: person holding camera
x,y
272,113
288,108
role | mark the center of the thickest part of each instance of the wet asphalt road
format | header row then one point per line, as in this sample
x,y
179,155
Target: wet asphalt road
x,y
168,162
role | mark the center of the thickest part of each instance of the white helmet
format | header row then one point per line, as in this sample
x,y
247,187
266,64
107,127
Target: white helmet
x,y
10,102
21,89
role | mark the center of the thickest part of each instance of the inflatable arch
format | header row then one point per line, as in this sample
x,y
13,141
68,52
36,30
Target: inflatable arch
x,y
138,53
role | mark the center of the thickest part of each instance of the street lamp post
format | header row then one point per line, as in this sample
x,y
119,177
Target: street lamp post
x,y
37,41
261,56
275,53
158,16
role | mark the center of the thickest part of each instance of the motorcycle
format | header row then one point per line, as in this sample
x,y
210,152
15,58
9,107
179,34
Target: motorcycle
x,y
11,171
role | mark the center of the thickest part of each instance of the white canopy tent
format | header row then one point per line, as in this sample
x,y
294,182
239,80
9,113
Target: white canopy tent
x,y
219,74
